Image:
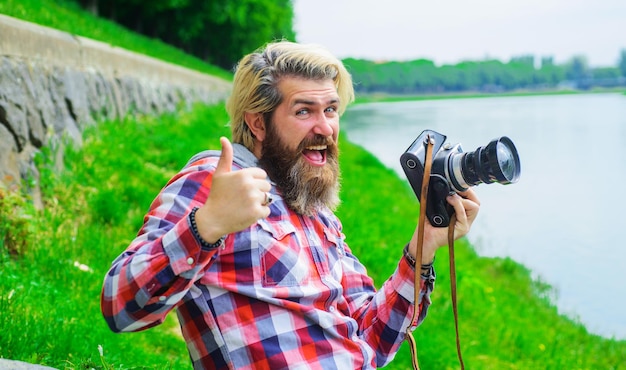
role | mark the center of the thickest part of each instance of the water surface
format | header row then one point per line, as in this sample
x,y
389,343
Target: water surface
x,y
564,219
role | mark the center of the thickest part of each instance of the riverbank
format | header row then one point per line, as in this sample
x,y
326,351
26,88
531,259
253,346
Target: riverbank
x,y
386,98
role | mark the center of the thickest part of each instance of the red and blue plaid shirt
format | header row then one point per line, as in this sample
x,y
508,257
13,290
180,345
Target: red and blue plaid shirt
x,y
284,293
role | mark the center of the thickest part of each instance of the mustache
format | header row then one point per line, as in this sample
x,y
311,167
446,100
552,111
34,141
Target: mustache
x,y
317,140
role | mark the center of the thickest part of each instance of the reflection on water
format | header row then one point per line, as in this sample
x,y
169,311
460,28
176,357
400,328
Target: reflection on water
x,y
563,217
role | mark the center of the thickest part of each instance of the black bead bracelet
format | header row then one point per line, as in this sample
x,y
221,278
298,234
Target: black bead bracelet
x,y
196,233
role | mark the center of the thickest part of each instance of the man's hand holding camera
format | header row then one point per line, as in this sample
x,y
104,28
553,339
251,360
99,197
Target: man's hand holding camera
x,y
466,206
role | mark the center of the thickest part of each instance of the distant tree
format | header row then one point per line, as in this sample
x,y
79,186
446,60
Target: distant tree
x,y
223,31
527,60
550,75
606,77
469,76
522,69
577,70
447,78
90,5
217,31
622,63
362,72
547,62
605,73
423,73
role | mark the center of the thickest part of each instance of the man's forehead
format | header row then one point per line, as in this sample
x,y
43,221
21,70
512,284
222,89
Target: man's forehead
x,y
308,91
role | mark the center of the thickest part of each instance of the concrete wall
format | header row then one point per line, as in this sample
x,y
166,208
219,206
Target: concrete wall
x,y
54,84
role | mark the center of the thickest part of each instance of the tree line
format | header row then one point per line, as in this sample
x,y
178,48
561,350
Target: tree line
x,y
220,32
423,76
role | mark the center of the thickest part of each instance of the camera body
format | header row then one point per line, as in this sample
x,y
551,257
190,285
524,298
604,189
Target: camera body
x,y
413,161
455,171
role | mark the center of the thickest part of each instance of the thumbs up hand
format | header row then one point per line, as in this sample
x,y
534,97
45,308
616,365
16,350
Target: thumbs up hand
x,y
236,200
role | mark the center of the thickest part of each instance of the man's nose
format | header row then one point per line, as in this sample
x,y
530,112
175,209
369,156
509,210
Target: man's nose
x,y
324,126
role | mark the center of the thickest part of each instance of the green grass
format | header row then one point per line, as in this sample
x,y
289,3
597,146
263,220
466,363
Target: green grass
x,y
49,306
66,15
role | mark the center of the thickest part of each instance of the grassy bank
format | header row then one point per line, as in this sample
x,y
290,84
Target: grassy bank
x,y
66,15
53,262
49,294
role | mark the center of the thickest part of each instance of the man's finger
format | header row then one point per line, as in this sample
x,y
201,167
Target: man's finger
x,y
456,202
225,163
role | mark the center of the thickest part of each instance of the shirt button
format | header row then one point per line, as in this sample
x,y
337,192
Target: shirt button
x,y
190,261
331,309
162,298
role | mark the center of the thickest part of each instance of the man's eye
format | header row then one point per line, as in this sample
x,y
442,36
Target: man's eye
x,y
331,109
302,112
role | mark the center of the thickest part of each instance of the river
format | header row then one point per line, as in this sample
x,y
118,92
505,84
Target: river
x,y
564,218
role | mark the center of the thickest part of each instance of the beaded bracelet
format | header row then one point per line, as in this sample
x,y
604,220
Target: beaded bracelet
x,y
196,233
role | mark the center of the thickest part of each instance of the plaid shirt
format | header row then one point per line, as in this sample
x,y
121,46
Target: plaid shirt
x,y
284,293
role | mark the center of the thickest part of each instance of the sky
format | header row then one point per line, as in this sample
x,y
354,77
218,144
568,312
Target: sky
x,y
450,31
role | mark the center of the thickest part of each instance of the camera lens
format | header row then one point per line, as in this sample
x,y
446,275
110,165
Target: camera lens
x,y
508,163
498,161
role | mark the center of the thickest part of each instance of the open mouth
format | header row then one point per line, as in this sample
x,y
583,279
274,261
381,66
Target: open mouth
x,y
315,154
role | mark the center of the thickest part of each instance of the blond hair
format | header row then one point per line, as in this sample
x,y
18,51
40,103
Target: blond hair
x,y
255,85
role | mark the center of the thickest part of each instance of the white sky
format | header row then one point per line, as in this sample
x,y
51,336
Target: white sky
x,y
448,31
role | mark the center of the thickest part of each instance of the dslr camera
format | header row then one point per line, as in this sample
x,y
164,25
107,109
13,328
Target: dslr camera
x,y
455,171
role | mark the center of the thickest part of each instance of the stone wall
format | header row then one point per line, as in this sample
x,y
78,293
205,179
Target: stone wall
x,y
54,84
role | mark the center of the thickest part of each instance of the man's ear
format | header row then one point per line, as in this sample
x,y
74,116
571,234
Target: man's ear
x,y
256,124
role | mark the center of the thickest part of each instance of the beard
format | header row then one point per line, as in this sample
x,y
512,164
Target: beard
x,y
305,188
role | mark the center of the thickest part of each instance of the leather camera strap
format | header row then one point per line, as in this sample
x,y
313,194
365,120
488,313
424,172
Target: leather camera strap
x,y
453,287
418,259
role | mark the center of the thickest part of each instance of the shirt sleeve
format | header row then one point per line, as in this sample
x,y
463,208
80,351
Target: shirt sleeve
x,y
162,263
384,315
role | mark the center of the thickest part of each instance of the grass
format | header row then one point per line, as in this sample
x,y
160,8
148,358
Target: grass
x,y
66,15
53,261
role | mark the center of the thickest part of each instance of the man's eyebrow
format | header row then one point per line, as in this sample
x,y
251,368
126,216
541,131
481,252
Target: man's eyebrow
x,y
303,101
311,102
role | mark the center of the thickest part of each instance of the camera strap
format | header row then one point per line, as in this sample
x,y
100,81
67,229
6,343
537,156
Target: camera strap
x,y
418,258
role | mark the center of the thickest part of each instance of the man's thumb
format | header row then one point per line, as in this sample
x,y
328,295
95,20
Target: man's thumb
x,y
225,162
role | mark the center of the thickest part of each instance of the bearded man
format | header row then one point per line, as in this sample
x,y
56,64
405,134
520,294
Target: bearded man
x,y
244,244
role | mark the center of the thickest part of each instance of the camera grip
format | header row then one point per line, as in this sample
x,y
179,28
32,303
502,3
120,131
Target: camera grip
x,y
438,210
